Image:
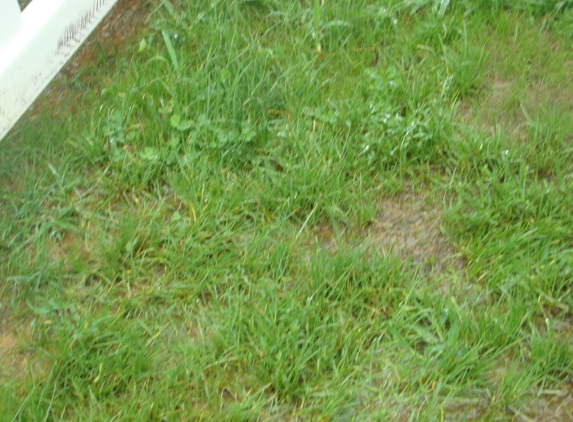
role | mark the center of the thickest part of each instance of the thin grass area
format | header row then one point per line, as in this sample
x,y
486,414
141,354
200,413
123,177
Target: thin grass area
x,y
299,210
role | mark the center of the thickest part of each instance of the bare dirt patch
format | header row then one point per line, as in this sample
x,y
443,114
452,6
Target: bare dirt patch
x,y
60,249
121,25
407,225
507,106
8,342
528,73
549,406
13,360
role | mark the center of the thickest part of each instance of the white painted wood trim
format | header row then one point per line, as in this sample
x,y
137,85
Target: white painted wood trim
x,y
10,21
51,31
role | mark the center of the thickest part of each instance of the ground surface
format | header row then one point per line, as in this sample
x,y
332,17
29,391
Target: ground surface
x,y
295,210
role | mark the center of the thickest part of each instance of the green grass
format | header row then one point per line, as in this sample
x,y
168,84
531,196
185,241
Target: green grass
x,y
23,3
160,247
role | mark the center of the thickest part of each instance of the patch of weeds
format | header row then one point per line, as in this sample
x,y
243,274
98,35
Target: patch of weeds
x,y
399,134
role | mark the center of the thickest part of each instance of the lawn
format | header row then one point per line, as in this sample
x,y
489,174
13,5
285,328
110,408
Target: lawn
x,y
297,210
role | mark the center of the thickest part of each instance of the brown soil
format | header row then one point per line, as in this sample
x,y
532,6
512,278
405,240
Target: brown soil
x,y
14,360
8,345
407,225
501,106
512,91
549,406
120,27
